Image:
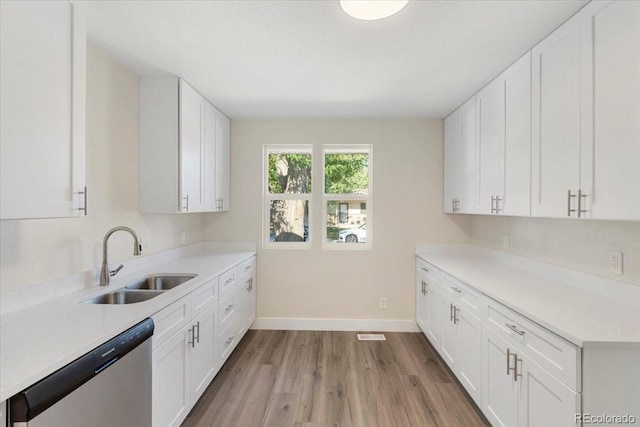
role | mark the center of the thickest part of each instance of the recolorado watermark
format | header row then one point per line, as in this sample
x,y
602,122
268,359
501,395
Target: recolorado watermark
x,y
587,418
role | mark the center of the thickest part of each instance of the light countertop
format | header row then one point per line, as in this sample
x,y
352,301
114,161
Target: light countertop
x,y
38,340
584,309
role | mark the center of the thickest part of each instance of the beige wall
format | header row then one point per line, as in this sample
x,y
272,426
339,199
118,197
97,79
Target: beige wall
x,y
36,250
580,245
407,209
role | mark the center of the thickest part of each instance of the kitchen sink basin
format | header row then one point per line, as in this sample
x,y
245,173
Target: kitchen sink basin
x,y
123,297
160,283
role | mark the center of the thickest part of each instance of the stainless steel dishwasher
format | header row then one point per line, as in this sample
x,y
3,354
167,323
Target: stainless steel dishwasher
x,y
108,387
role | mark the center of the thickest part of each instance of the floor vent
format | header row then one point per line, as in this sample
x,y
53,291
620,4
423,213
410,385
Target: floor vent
x,y
371,337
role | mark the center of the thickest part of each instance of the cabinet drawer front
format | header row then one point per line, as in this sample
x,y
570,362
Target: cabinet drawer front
x,y
171,319
550,351
226,343
227,282
246,267
226,310
463,294
205,296
430,273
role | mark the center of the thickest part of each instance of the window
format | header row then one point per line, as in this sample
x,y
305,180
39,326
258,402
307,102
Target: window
x,y
287,196
347,194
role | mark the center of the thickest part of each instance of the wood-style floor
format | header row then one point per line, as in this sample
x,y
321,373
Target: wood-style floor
x,y
314,378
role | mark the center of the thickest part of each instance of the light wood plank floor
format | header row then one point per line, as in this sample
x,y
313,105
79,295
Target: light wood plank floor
x,y
317,378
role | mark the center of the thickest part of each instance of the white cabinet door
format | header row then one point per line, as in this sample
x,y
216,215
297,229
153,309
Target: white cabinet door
x,y
42,111
544,400
246,303
223,142
421,302
516,187
489,143
467,173
470,356
610,176
210,198
449,339
499,390
557,85
452,169
433,317
171,381
191,149
203,352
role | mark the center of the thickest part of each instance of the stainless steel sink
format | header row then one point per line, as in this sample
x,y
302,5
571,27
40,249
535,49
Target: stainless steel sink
x,y
160,283
123,297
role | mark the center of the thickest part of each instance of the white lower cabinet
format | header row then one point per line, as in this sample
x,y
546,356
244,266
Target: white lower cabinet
x,y
517,372
246,274
518,392
193,338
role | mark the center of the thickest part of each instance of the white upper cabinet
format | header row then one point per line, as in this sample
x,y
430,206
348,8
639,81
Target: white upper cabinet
x,y
223,140
515,84
557,88
610,176
452,169
489,148
459,159
191,149
180,157
42,111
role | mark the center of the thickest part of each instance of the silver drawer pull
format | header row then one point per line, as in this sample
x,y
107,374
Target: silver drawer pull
x,y
248,267
228,341
229,307
229,280
456,289
514,329
425,269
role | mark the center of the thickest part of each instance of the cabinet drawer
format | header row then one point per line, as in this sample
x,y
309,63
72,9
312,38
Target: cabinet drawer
x,y
226,343
550,351
430,273
246,267
226,310
205,296
463,294
171,319
226,282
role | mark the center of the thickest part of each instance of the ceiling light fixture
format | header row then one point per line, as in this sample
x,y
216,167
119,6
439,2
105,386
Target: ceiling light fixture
x,y
370,10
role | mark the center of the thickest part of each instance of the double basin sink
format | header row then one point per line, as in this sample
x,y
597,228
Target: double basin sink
x,y
141,290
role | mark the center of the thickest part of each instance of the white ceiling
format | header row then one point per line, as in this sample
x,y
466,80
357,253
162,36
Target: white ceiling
x,y
308,59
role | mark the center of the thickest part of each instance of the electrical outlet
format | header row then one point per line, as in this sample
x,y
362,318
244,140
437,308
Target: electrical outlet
x,y
383,303
505,242
183,238
615,262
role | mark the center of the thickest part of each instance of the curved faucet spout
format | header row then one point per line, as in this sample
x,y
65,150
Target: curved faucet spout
x,y
105,274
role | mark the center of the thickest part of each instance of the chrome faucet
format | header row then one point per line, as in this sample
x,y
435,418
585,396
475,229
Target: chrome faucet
x,y
105,273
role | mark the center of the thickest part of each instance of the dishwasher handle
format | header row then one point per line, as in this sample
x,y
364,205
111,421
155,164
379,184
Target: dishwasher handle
x,y
34,400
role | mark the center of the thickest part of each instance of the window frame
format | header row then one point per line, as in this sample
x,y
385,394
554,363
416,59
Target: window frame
x,y
268,197
347,197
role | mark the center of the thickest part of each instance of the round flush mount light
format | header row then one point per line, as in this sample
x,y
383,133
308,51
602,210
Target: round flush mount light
x,y
370,10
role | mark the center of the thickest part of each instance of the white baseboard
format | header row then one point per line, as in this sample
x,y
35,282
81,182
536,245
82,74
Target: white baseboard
x,y
362,325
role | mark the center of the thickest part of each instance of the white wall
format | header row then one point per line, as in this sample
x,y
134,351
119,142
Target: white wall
x,y
37,250
407,209
577,244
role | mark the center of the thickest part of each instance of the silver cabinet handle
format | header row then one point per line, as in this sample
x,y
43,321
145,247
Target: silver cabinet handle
x,y
425,269
455,315
191,340
455,289
248,282
424,288
569,197
251,284
228,341
516,374
514,329
498,209
247,268
229,307
493,199
197,330
84,208
508,361
451,312
229,280
580,210
186,207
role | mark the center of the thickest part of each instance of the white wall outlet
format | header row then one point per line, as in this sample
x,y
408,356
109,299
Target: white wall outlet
x,y
505,242
615,262
383,303
183,237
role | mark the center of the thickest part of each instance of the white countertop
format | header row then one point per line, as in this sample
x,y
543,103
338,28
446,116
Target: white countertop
x,y
38,340
584,309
